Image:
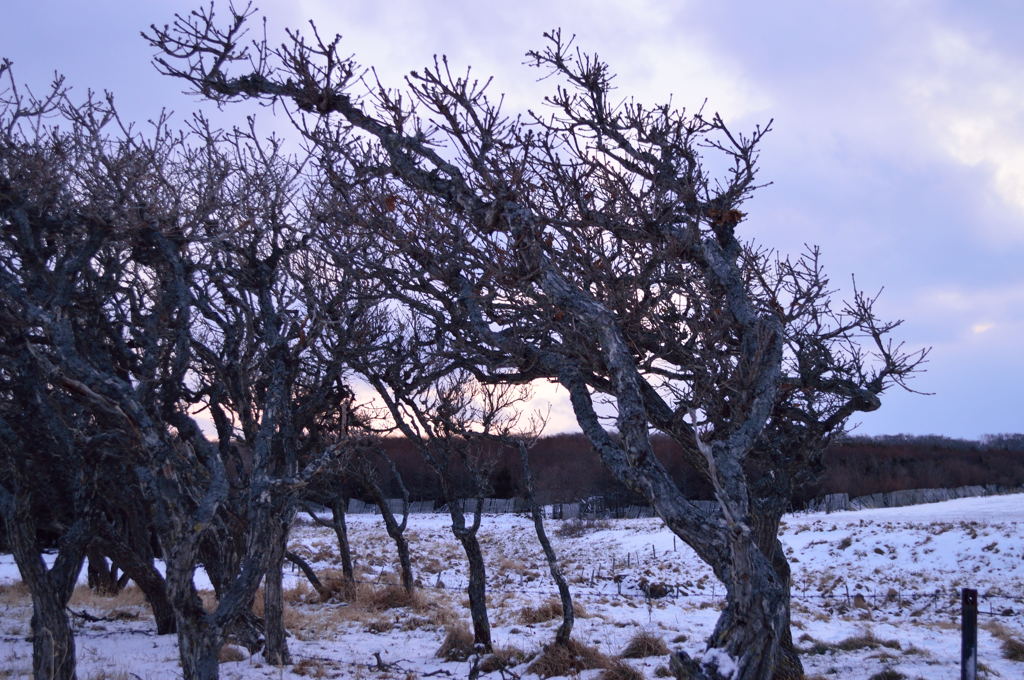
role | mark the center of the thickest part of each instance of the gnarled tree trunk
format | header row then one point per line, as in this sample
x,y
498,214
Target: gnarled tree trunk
x,y
477,587
564,632
341,531
102,575
146,576
53,642
275,650
198,648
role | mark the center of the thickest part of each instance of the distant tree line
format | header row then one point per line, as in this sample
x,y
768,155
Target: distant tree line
x,y
568,469
866,465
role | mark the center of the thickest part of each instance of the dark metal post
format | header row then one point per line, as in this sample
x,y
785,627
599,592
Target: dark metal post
x,y
969,634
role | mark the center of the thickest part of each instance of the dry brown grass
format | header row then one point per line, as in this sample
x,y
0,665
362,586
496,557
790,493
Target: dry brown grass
x,y
567,659
865,640
337,588
312,668
507,564
106,674
300,593
231,654
888,674
389,597
14,593
620,670
457,644
131,596
548,610
373,609
644,644
1013,649
502,658
304,622
1012,645
209,599
574,528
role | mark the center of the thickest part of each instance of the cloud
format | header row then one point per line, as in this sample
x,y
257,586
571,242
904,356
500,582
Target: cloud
x,y
647,43
967,94
552,399
961,321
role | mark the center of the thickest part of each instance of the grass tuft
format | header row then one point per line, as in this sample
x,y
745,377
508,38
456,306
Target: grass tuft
x,y
502,659
546,611
457,644
888,674
1013,649
231,654
644,644
866,640
620,670
574,528
568,659
109,675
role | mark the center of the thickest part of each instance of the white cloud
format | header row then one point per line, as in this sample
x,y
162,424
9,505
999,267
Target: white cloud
x,y
968,97
962,317
645,41
552,399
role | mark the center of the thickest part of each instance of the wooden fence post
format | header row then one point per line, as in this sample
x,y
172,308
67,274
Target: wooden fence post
x,y
968,634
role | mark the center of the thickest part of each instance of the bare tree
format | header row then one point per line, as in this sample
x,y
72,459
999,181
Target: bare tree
x,y
37,435
450,419
591,245
89,282
276,323
363,465
564,633
336,500
144,275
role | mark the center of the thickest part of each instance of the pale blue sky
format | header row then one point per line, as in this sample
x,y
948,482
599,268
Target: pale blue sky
x,y
898,143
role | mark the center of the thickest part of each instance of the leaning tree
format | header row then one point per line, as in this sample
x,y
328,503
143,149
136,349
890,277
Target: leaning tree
x,y
145,274
593,245
90,314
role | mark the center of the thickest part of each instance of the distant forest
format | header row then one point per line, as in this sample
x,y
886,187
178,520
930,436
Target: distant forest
x,y
566,468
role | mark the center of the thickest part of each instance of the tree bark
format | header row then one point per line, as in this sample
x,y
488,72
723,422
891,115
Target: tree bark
x,y
477,588
341,531
198,648
147,577
750,630
275,650
340,528
395,528
53,642
310,575
402,547
753,630
564,632
102,576
199,636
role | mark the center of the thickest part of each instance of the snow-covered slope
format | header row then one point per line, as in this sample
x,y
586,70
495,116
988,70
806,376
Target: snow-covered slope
x,y
873,590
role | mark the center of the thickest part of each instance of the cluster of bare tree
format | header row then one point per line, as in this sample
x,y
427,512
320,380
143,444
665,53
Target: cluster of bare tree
x,y
437,249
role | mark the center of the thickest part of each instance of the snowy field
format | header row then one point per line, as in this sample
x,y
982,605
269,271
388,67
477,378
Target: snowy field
x,y
874,590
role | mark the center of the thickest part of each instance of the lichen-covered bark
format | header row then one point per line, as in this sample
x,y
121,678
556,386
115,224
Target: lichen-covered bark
x,y
275,650
53,642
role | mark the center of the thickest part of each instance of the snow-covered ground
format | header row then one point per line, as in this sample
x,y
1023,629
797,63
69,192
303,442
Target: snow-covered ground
x,y
873,590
